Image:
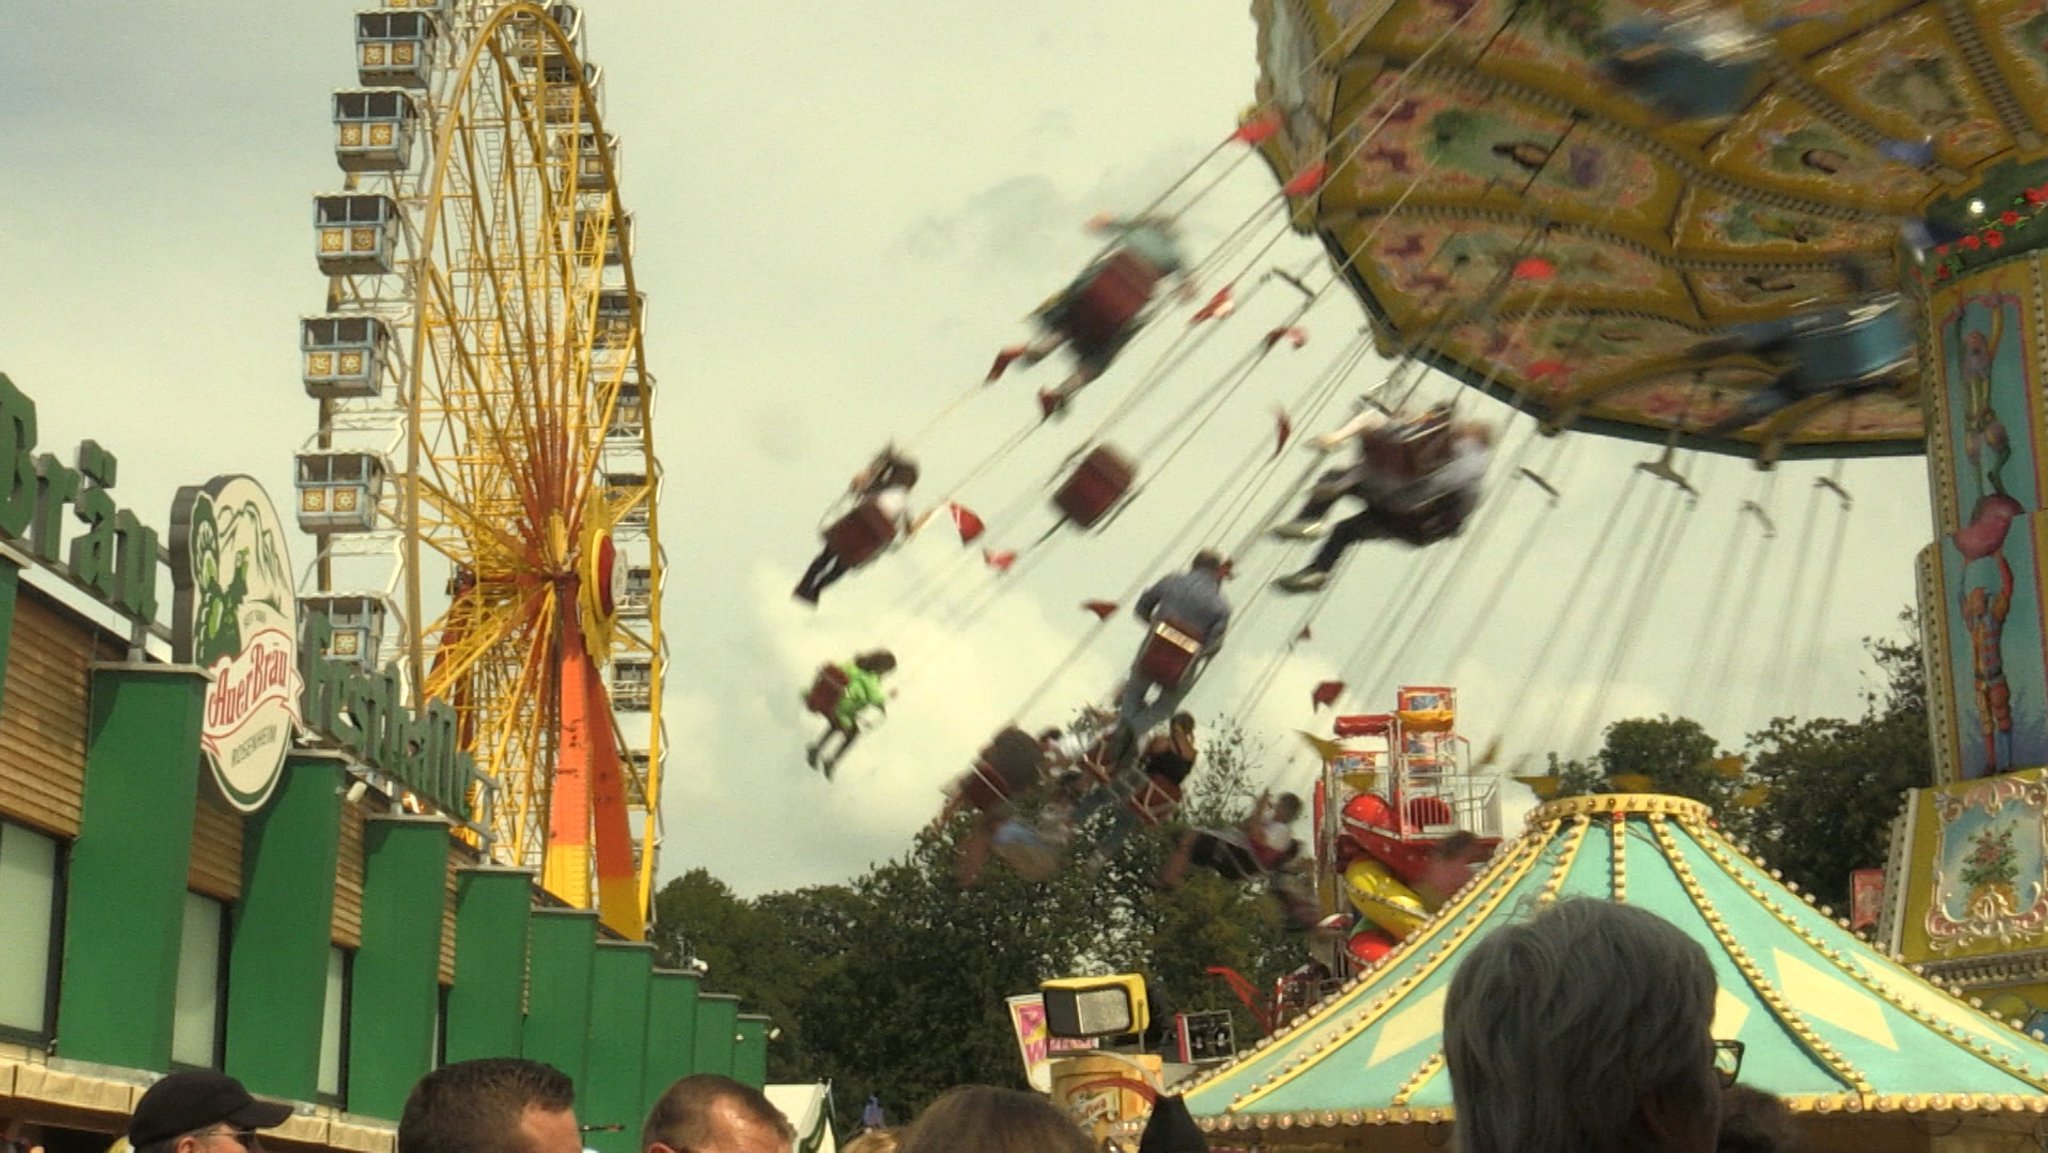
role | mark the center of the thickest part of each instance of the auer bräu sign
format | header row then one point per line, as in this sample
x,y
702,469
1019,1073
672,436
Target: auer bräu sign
x,y
236,615
364,714
112,556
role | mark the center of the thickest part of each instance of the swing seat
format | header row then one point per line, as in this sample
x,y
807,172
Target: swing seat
x,y
862,533
1413,450
1436,520
828,688
1171,654
1428,812
1097,484
1154,800
1101,307
1004,770
1868,343
1702,66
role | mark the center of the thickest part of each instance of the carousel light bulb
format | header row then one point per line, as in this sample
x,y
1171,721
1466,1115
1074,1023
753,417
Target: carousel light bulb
x,y
1976,207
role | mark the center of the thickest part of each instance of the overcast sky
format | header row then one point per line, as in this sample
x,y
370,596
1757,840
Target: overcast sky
x,y
842,211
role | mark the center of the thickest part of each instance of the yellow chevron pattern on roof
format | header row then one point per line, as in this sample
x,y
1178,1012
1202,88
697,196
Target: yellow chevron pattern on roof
x,y
1829,1023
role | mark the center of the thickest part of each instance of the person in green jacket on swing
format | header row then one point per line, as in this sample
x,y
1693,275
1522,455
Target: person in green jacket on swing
x,y
861,690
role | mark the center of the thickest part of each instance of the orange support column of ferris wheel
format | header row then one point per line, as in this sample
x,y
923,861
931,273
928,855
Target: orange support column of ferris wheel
x,y
522,507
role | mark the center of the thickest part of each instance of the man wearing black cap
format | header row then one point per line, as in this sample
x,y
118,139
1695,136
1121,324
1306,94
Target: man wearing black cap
x,y
201,1111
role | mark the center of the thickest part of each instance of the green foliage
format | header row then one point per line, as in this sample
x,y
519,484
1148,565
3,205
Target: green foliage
x,y
895,984
1834,785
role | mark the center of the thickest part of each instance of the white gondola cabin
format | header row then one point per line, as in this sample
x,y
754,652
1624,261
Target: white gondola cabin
x,y
344,356
533,48
633,684
629,410
338,490
562,102
621,487
636,595
616,313
589,156
597,228
636,763
373,129
358,233
356,621
395,48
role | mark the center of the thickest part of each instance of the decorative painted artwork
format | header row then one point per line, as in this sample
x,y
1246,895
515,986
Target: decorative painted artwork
x,y
1989,865
1906,78
2024,37
1748,294
1991,383
1784,143
1998,649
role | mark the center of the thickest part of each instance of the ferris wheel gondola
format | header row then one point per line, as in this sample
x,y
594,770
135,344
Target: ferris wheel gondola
x,y
483,481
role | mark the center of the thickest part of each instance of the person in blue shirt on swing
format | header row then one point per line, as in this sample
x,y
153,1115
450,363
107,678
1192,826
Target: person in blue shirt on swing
x,y
1186,616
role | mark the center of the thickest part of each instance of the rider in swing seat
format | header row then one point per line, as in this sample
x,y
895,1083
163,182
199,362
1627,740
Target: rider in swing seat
x,y
1186,616
1011,765
842,693
1418,478
1154,785
1104,307
879,516
1845,351
1260,844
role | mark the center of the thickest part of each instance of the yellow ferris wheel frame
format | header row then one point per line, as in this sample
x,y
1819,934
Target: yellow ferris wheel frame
x,y
521,467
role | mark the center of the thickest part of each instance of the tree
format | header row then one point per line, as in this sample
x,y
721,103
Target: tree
x,y
1667,754
1834,786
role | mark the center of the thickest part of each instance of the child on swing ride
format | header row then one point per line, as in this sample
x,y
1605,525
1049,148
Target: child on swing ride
x,y
841,694
880,514
1419,479
1104,307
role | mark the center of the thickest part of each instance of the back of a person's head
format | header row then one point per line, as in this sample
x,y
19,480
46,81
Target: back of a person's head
x,y
687,1117
876,661
985,1119
1558,1029
1208,560
874,1141
1286,807
1753,1121
479,1106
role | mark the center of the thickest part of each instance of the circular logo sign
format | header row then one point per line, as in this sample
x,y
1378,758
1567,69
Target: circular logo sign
x,y
236,616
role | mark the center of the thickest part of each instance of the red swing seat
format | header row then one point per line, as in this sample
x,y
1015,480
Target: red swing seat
x,y
1155,800
1171,654
1413,450
1098,311
1004,770
1097,484
828,688
863,532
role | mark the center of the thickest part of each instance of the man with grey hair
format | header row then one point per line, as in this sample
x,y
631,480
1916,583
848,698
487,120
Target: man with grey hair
x,y
1185,616
1585,1029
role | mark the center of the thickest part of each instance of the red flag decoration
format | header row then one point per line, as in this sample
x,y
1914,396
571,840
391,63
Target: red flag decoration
x,y
1257,128
970,525
1000,559
1326,694
1296,335
1306,634
1534,268
1307,180
1101,609
1286,430
1220,305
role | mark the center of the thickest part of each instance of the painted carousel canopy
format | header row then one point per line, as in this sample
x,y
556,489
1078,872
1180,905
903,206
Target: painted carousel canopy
x,y
1516,209
1828,1022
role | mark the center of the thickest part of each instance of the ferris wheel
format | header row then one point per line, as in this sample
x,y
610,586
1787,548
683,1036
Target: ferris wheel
x,y
482,480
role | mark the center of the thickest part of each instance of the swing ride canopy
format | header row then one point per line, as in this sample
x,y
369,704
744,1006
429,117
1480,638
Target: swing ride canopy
x,y
1828,1023
1461,137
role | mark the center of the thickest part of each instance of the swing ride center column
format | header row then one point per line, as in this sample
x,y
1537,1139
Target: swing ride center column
x,y
1982,581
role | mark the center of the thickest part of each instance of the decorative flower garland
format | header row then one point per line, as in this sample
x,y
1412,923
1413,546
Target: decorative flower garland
x,y
1985,244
